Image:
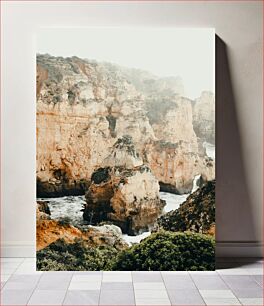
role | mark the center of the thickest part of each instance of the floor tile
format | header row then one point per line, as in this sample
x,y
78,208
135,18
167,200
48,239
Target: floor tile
x,y
240,281
118,297
222,301
15,297
5,277
149,286
151,294
209,282
233,271
116,273
202,272
85,286
12,259
217,294
24,278
117,286
27,268
150,302
146,276
8,270
254,271
251,301
88,272
244,278
185,297
248,293
12,265
47,297
20,285
258,279
87,278
87,297
174,273
117,277
178,282
54,282
57,273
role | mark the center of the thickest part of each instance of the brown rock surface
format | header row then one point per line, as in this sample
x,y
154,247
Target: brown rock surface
x,y
124,192
49,231
83,107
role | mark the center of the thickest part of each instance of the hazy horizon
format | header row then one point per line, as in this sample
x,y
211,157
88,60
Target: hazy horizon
x,y
191,57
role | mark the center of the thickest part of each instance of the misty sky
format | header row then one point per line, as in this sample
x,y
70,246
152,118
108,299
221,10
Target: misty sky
x,y
188,53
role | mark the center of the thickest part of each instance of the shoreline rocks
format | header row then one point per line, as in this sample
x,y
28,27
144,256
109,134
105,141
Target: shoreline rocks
x,y
54,188
196,214
50,231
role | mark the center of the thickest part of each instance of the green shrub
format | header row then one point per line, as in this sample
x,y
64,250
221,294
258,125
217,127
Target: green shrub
x,y
169,251
78,256
162,251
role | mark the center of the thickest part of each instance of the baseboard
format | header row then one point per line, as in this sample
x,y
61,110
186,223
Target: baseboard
x,y
18,249
223,249
239,249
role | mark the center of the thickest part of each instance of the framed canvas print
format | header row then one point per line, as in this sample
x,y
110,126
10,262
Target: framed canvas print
x,y
125,149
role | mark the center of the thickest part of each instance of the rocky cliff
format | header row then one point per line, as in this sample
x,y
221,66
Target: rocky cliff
x,y
83,107
196,214
124,192
204,117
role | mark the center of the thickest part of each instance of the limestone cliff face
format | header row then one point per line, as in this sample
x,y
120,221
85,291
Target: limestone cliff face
x,y
83,107
204,117
124,192
177,155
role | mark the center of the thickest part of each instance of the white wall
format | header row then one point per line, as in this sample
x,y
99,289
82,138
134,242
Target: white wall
x,y
239,125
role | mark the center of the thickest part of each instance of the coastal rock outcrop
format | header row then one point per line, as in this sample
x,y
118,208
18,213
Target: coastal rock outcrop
x,y
43,206
42,211
84,107
204,117
177,155
124,191
196,214
50,231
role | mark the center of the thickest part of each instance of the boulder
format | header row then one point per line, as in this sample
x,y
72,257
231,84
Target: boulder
x,y
124,192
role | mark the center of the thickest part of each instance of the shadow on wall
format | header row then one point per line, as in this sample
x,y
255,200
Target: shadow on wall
x,y
234,214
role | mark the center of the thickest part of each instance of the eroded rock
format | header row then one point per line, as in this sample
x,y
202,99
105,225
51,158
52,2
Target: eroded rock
x,y
49,231
84,107
125,192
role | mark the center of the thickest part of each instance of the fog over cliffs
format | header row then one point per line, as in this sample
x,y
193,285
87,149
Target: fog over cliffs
x,y
84,107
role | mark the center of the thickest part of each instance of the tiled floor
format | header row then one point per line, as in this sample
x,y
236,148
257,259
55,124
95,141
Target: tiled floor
x,y
236,282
